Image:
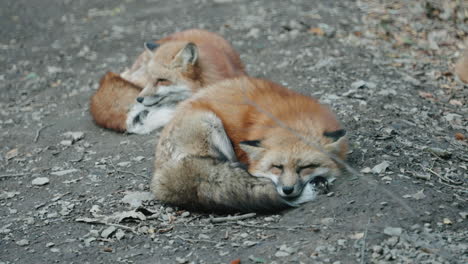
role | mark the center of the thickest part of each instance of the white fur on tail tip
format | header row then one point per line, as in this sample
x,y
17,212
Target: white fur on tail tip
x,y
157,117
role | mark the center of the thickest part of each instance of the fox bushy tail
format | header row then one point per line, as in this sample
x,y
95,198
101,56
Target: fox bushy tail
x,y
206,184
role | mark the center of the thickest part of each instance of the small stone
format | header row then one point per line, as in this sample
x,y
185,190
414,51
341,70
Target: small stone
x,y
366,170
185,214
203,236
39,181
341,242
75,136
358,84
120,234
281,254
22,242
108,231
55,250
50,244
66,142
327,221
124,164
447,221
463,215
377,249
393,231
249,243
181,260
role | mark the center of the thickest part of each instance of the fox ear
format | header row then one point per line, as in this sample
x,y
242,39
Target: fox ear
x,y
338,137
151,46
187,56
253,148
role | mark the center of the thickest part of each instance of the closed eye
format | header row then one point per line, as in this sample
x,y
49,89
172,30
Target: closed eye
x,y
277,166
162,81
310,166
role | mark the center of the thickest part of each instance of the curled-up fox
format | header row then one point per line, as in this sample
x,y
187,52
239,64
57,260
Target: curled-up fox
x,y
143,97
247,144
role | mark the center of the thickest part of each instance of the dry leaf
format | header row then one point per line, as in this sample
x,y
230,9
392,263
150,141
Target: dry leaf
x,y
455,102
357,236
11,154
459,136
317,31
425,95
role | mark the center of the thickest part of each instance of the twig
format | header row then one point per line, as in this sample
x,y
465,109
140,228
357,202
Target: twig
x,y
196,240
276,227
444,178
38,132
232,218
97,221
13,175
363,248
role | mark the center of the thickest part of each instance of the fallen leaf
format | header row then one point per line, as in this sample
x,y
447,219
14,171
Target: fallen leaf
x,y
426,95
379,168
236,261
455,102
11,154
317,31
459,136
356,236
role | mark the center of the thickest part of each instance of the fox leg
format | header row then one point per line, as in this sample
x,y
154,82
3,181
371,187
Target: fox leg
x,y
196,168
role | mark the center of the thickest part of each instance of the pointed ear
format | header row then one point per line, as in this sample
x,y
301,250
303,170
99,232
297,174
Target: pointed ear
x,y
151,46
253,148
338,137
186,56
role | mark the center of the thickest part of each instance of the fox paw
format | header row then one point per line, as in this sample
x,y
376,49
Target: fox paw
x,y
143,120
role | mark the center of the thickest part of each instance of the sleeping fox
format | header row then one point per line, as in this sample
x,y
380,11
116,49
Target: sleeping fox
x,y
247,144
174,68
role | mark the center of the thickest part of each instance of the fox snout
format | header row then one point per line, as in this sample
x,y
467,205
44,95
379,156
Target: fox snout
x,y
290,191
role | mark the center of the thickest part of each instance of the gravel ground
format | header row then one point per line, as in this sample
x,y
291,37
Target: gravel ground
x,y
71,192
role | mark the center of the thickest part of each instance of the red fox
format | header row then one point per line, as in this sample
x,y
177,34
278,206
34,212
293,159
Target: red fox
x,y
247,144
174,68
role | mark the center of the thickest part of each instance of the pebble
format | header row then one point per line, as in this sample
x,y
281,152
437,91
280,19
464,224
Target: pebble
x,y
40,181
393,231
22,242
120,234
249,243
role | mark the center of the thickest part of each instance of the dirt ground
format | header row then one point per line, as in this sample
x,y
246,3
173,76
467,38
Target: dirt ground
x,y
385,67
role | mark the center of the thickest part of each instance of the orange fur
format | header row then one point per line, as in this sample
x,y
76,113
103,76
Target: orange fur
x,y
246,113
217,60
105,109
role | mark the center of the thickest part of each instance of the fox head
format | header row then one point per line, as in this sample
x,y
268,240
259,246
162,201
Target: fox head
x,y
171,66
295,166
